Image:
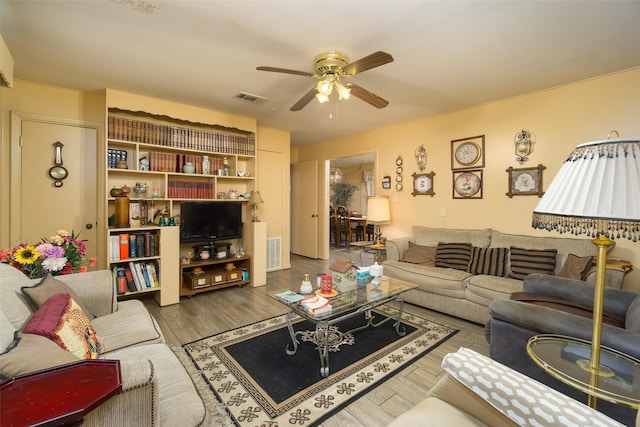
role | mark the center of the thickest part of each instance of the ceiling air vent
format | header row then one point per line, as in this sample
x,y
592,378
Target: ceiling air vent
x,y
248,97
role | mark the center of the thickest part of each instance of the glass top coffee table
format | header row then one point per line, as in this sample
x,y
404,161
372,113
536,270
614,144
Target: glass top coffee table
x,y
567,359
358,300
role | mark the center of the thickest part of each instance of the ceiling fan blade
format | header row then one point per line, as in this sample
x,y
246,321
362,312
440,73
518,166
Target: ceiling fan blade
x,y
304,100
368,97
374,60
286,71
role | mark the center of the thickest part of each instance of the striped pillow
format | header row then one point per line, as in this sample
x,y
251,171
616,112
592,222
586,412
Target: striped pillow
x,y
528,261
491,261
453,255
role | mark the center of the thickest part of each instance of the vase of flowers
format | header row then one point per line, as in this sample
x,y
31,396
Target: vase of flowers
x,y
62,253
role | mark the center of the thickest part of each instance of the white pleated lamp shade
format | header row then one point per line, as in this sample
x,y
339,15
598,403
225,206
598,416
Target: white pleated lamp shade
x,y
596,191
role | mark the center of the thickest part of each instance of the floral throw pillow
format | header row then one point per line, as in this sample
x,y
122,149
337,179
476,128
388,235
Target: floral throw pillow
x,y
62,321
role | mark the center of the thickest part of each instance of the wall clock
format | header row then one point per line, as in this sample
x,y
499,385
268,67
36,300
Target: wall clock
x,y
467,153
467,184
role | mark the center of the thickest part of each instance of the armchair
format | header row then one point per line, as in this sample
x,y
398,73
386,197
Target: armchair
x,y
512,323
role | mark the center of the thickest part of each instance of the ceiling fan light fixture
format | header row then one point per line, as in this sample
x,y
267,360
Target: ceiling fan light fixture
x,y
325,87
322,97
343,91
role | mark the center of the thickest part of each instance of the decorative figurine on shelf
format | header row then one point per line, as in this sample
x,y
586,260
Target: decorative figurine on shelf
x,y
187,258
240,252
144,164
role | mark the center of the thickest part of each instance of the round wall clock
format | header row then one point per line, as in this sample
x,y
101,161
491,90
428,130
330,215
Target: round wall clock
x,y
468,153
467,184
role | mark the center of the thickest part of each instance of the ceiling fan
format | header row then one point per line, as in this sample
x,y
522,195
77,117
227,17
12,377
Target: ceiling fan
x,y
331,68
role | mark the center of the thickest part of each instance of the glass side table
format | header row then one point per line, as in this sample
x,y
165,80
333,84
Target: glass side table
x,y
568,360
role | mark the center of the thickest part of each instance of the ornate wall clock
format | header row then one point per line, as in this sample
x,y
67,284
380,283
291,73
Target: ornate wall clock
x,y
467,153
467,184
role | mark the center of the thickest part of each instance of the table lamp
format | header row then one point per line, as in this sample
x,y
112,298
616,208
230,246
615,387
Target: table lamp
x,y
377,212
597,193
254,201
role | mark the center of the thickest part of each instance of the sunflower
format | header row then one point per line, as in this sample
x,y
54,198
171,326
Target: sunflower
x,y
26,255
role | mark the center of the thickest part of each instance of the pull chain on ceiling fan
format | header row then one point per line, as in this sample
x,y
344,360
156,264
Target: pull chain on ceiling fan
x,y
331,68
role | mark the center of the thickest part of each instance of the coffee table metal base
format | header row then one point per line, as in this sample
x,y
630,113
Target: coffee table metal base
x,y
323,338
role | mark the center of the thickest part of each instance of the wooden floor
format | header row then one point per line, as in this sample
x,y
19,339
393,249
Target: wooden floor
x,y
217,311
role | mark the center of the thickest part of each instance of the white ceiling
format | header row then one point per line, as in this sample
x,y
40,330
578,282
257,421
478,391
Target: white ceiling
x,y
448,54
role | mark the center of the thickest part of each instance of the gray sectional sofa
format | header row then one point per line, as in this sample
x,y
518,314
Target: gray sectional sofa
x,y
157,390
463,294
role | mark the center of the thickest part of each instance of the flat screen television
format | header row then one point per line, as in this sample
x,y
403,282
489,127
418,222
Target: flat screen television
x,y
210,221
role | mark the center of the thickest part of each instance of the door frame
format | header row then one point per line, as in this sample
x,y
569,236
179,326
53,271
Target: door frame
x,y
15,187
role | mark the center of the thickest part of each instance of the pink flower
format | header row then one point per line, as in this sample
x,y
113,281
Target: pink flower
x,y
92,261
5,255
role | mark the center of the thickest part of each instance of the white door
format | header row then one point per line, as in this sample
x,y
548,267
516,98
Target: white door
x,y
44,208
304,208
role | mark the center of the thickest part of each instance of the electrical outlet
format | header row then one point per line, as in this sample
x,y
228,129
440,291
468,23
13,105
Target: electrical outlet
x,y
443,212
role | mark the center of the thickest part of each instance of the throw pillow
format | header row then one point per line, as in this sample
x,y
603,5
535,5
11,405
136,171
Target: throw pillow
x,y
523,399
30,353
418,254
528,261
491,261
49,286
61,320
576,267
453,255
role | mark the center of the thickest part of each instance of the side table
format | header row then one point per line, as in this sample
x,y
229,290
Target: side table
x,y
568,359
61,395
377,249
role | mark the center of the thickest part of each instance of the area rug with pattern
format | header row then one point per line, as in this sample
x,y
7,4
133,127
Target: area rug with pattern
x,y
251,374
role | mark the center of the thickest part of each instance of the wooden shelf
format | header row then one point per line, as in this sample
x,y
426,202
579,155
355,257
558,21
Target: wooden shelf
x,y
213,276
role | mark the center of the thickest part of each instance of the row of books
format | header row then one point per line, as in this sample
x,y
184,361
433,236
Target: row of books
x,y
179,137
182,189
171,162
133,245
135,277
114,155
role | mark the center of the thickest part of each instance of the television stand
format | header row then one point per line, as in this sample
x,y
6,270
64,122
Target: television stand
x,y
203,276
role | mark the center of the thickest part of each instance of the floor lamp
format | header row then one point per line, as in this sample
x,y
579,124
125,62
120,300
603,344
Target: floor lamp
x,y
377,212
596,192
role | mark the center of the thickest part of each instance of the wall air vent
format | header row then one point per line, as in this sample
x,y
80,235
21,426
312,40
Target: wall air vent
x,y
248,97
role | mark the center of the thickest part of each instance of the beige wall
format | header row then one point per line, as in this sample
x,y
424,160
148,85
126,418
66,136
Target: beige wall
x,y
41,100
74,105
560,119
274,184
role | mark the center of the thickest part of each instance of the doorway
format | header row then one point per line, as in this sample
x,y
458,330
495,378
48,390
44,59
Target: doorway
x,y
358,170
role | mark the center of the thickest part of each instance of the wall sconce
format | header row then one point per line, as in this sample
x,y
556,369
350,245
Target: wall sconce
x,y
421,158
523,145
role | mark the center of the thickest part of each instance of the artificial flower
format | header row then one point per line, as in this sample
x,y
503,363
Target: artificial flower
x,y
62,253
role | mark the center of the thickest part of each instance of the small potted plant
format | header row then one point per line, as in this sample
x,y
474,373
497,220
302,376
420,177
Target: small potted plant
x,y
342,193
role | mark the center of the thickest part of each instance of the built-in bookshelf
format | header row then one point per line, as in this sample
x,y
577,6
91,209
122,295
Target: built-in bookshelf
x,y
166,157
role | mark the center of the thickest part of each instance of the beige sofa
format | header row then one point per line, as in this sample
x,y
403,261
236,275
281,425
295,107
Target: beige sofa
x,y
157,391
462,294
478,391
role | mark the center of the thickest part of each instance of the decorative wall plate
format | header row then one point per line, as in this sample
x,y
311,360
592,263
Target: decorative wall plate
x,y
467,184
